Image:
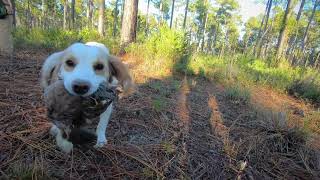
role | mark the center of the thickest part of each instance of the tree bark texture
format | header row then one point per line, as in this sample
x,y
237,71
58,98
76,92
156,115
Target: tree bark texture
x,y
129,23
282,34
101,17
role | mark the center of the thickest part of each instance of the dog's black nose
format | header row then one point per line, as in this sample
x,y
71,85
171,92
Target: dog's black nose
x,y
80,87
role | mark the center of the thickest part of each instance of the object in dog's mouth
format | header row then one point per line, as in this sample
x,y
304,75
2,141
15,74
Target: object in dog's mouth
x,y
67,111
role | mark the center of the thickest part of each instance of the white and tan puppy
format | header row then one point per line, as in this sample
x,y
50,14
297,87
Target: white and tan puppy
x,y
82,68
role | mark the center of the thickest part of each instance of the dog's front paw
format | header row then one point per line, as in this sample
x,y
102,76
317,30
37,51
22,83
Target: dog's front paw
x,y
100,143
54,130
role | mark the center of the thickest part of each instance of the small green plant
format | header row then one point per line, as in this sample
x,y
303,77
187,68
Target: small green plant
x,y
159,104
312,122
238,93
168,147
58,39
156,85
147,172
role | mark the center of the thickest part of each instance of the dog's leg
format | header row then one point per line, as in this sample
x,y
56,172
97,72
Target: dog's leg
x,y
102,126
62,143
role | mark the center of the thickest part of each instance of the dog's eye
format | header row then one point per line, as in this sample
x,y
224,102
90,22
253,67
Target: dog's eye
x,y
70,63
98,67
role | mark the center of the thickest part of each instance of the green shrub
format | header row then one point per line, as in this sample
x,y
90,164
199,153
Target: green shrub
x,y
161,51
278,77
159,103
238,93
58,39
306,89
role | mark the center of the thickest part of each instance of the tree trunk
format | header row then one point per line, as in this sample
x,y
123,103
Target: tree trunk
x,y
172,11
122,9
263,26
129,23
293,39
185,14
283,29
6,25
215,38
73,3
147,18
65,14
305,36
204,30
161,13
13,12
211,38
101,17
89,13
28,17
264,31
43,13
115,18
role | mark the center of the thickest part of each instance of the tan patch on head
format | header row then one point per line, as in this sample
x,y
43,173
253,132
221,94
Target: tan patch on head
x,y
69,63
101,68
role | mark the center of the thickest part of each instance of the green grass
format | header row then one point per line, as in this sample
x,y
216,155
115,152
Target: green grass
x,y
302,82
165,52
58,39
238,93
161,51
159,103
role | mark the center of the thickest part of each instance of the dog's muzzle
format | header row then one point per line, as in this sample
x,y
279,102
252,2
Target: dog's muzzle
x,y
80,87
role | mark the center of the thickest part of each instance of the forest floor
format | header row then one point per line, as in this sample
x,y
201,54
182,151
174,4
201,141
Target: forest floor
x,y
174,127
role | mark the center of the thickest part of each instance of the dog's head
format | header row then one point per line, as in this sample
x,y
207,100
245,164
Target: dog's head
x,y
83,67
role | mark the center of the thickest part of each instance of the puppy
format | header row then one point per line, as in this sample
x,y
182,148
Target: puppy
x,y
82,68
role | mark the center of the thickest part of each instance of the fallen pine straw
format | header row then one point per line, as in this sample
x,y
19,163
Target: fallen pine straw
x,y
176,141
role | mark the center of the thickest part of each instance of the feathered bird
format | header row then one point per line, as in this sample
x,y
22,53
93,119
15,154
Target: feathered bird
x,y
76,114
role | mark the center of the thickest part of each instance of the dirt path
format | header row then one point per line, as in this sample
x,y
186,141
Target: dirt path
x,y
172,128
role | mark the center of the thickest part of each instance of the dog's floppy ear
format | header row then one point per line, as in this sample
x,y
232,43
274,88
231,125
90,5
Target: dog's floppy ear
x,y
119,70
50,69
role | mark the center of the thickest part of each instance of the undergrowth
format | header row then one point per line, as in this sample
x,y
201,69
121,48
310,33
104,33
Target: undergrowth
x,y
238,94
166,51
58,39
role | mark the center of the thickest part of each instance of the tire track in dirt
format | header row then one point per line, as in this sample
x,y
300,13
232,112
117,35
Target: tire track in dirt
x,y
201,154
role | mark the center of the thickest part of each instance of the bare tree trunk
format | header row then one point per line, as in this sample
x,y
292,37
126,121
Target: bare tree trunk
x,y
161,12
28,17
293,39
101,17
13,12
204,30
147,18
122,9
283,29
305,36
115,18
172,11
6,25
89,13
264,31
263,27
185,14
215,38
65,14
73,3
129,23
211,38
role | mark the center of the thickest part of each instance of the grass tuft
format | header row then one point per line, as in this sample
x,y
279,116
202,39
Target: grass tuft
x,y
238,93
